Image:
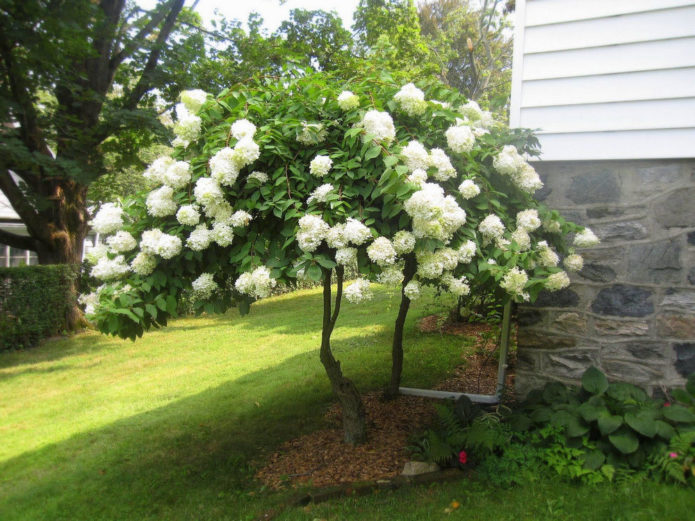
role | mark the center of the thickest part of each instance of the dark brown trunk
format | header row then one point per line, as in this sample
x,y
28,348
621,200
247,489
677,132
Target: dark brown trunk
x,y
354,425
397,346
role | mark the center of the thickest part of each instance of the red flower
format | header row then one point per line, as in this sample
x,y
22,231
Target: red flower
x,y
463,457
667,404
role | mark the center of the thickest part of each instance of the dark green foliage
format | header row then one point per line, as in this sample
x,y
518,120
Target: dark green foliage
x,y
34,301
624,424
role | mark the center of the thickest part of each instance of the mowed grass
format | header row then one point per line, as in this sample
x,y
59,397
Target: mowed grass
x,y
171,427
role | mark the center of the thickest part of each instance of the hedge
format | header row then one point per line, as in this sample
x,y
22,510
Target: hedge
x,y
34,301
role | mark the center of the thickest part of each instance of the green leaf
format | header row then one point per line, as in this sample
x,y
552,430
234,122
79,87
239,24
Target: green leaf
x,y
690,385
678,414
642,422
244,306
624,440
626,393
594,459
314,273
609,423
594,381
372,153
664,430
325,262
152,310
390,160
683,396
591,412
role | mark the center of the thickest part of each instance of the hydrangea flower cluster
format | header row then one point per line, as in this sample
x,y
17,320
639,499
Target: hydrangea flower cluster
x,y
320,165
574,262
108,219
257,284
359,291
188,215
379,125
411,99
469,189
492,227
121,242
433,214
312,231
109,269
557,281
320,194
204,286
585,239
193,99
261,177
460,139
510,163
160,202
348,101
187,126
312,134
514,282
445,170
381,252
416,157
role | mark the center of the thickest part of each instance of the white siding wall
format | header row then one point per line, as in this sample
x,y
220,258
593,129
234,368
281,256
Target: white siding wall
x,y
606,79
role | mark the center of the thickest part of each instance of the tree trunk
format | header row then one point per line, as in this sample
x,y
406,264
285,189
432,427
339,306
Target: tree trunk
x,y
397,346
354,424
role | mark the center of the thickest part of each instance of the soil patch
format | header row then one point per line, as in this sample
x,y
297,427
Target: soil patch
x,y
322,459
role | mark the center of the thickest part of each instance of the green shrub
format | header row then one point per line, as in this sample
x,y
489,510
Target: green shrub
x,y
34,301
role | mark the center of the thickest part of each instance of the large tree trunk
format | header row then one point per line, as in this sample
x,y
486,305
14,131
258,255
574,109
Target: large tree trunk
x,y
397,345
354,425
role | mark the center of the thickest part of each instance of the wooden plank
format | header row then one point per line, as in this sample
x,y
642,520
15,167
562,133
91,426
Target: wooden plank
x,y
541,12
667,54
639,27
630,86
637,144
631,115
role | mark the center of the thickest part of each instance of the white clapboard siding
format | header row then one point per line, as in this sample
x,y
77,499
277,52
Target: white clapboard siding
x,y
606,79
541,12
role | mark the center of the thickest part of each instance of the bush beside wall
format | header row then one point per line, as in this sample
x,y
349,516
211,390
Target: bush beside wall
x,y
34,301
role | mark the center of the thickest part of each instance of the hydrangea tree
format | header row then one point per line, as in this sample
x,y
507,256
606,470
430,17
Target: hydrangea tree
x,y
275,181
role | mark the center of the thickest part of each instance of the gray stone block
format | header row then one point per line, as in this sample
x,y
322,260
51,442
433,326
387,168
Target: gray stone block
x,y
529,317
623,300
656,262
620,327
644,351
680,299
676,326
598,273
572,323
605,211
564,298
568,364
659,175
676,209
685,358
634,372
622,231
541,340
691,276
598,187
691,238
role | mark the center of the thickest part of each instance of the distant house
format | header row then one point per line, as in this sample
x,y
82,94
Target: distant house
x,y
610,86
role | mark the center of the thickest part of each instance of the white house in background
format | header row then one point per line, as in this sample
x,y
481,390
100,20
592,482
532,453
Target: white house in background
x,y
10,222
610,86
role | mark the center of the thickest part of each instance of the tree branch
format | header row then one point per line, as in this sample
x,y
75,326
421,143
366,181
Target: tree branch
x,y
20,242
20,205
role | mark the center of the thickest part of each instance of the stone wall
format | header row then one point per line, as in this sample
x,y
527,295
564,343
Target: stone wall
x,y
631,310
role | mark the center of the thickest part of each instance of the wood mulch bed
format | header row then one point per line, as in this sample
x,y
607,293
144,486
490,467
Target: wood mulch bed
x,y
322,459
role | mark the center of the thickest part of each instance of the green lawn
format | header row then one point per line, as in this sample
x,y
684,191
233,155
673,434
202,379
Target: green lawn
x,y
172,426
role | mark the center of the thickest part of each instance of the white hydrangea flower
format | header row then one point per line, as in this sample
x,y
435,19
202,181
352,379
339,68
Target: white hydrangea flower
x,y
246,151
347,100
222,234
528,220
158,169
445,170
207,191
466,252
160,202
471,110
574,262
552,226
391,276
522,238
418,177
335,238
415,156
261,177
412,100
199,239
204,286
514,282
528,179
356,233
187,127
557,281
547,256
90,301
240,219
108,219
312,230
96,252
243,129
223,167
434,214
121,242
379,125
346,256
221,211
491,227
403,242
430,265
508,161
358,291
381,252
149,241
468,189
320,194
320,165
257,284
457,286
143,264
312,134
188,215
585,239
109,269
168,246
194,99
460,139
412,290
178,174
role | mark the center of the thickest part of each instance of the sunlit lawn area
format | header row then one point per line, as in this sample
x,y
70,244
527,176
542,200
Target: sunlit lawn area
x,y
172,426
